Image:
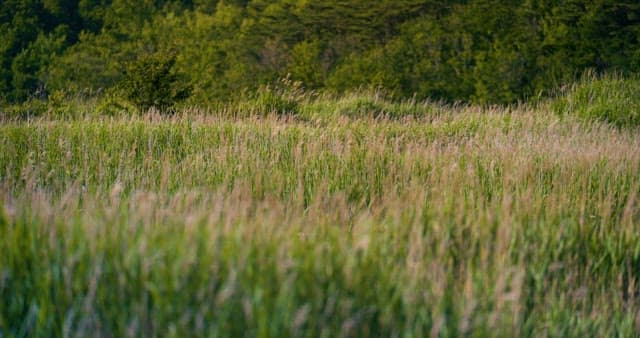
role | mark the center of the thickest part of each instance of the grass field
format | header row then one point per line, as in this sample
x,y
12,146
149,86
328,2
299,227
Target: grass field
x,y
457,221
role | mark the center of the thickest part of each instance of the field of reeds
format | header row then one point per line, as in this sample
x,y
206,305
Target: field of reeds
x,y
439,221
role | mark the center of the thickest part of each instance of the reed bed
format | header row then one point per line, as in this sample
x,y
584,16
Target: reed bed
x,y
468,222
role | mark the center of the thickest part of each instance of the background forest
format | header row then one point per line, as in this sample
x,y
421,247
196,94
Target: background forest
x,y
476,51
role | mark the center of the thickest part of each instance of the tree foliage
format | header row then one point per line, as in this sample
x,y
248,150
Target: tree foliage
x,y
478,50
151,82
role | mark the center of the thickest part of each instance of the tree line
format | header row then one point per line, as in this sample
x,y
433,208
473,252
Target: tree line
x,y
470,50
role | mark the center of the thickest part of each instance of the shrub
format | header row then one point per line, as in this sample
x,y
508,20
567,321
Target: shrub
x,y
611,98
29,109
361,106
112,105
151,82
284,97
268,100
375,104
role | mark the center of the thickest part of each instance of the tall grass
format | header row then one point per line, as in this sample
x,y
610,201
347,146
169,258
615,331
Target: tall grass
x,y
468,222
612,98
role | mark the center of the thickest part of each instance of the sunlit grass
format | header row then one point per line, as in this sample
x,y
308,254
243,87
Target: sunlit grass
x,y
453,221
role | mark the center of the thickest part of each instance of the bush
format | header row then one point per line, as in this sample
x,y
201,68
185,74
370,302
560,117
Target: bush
x,y
271,101
611,98
112,105
361,106
375,104
151,82
29,109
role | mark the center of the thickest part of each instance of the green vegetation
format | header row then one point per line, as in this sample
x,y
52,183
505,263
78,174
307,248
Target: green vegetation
x,y
151,82
473,51
612,98
233,222
319,168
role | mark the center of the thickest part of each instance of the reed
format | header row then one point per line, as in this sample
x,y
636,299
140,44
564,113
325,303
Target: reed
x,y
460,221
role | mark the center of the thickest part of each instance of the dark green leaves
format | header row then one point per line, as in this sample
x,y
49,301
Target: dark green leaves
x,y
151,82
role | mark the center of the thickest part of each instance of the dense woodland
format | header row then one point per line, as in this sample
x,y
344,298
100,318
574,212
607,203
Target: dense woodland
x,y
477,51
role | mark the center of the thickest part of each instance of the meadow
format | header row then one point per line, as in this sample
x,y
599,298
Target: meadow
x,y
354,217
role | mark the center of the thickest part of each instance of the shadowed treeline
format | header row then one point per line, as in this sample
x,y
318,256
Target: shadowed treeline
x,y
474,51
